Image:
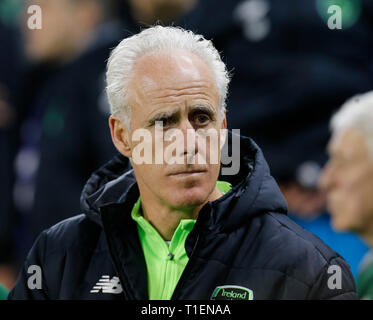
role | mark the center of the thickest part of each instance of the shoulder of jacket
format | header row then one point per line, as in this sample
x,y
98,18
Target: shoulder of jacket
x,y
294,251
77,231
305,240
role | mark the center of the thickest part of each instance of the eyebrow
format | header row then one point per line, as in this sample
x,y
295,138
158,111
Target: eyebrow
x,y
203,108
162,115
206,108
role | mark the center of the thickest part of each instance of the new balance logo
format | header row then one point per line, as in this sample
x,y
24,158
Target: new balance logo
x,y
107,285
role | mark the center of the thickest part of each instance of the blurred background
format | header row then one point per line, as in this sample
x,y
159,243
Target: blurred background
x,y
292,69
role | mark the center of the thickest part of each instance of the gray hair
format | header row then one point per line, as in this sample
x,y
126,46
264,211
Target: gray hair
x,y
158,38
356,113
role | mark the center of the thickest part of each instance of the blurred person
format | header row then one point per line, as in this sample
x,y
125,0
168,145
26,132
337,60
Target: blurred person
x,y
184,230
62,110
348,178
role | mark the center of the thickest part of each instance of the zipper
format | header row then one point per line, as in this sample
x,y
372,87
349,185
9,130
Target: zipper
x,y
122,277
165,287
184,276
188,267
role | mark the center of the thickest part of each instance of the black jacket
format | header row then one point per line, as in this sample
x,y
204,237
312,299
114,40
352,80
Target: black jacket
x,y
244,238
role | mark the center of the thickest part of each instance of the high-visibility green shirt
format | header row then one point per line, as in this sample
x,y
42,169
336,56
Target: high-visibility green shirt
x,y
3,293
165,261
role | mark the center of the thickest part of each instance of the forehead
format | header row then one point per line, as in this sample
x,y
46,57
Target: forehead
x,y
166,73
348,143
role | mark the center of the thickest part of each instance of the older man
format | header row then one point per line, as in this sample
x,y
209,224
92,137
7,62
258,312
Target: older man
x,y
170,229
348,177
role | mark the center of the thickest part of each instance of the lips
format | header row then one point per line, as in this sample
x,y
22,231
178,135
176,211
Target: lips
x,y
186,172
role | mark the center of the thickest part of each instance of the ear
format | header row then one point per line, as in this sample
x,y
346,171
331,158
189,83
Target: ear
x,y
120,136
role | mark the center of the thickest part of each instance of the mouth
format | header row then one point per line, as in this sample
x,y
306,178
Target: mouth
x,y
187,173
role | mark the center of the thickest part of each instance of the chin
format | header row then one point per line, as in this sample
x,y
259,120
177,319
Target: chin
x,y
189,198
338,226
341,226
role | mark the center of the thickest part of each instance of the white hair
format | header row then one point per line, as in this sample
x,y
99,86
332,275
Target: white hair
x,y
356,113
158,38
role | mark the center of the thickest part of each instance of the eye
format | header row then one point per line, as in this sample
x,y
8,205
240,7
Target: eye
x,y
164,121
201,119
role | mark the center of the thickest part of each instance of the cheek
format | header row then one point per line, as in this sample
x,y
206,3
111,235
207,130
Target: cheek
x,y
353,205
150,176
345,216
364,200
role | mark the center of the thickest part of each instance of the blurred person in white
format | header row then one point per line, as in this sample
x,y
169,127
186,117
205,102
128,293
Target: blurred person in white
x,y
347,178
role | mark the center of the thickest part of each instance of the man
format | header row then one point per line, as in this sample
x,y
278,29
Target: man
x,y
173,230
348,178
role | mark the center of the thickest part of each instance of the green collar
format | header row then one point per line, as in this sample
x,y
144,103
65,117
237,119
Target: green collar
x,y
185,224
165,262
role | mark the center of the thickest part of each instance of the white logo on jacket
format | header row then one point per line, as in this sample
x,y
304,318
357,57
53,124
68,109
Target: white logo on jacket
x,y
107,285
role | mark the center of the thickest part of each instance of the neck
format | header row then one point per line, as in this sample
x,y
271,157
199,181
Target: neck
x,y
165,218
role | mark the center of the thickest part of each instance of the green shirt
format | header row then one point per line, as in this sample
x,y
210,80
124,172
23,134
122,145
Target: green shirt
x,y
364,283
3,293
165,262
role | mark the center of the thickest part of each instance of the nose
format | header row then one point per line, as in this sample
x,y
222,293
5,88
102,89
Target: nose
x,y
190,139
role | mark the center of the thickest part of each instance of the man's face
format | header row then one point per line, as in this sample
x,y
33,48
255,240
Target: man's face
x,y
348,181
178,90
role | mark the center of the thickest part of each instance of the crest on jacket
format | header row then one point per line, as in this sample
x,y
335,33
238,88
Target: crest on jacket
x,y
231,292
